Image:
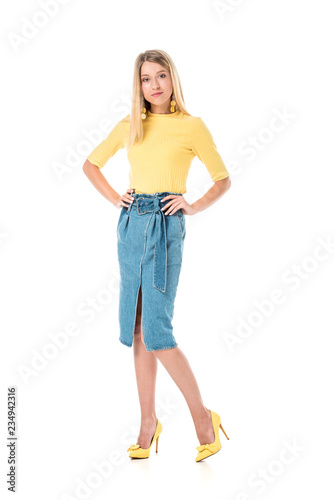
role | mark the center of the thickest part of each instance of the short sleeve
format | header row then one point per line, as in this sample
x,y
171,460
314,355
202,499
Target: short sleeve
x,y
204,147
107,148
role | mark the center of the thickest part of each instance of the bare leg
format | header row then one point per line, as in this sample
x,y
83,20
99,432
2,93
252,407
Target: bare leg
x,y
179,369
146,365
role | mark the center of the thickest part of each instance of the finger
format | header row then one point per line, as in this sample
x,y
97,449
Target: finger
x,y
165,207
173,208
125,203
171,201
127,197
170,196
168,206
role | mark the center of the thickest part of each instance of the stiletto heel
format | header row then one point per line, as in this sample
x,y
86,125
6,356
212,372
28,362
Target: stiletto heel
x,y
137,452
206,450
222,428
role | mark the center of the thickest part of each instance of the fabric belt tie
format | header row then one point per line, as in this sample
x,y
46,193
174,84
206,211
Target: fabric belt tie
x,y
144,205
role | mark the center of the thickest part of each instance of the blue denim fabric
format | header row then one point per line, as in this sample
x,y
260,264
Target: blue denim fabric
x,y
150,248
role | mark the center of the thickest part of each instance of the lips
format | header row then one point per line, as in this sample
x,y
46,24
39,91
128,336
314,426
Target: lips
x,y
158,93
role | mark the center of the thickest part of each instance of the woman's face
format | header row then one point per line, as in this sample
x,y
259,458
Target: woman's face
x,y
156,79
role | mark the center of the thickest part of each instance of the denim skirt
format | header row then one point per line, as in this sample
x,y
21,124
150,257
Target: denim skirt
x,y
150,249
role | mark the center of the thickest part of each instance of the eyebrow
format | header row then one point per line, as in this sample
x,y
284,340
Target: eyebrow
x,y
161,71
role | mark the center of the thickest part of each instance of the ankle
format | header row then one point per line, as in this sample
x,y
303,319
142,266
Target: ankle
x,y
148,419
201,415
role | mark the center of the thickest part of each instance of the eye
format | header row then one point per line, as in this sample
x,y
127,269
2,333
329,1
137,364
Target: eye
x,y
162,74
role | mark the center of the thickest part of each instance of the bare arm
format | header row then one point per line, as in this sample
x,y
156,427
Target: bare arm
x,y
176,202
212,195
98,180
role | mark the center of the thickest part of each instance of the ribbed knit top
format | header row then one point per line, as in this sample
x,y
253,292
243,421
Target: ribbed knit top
x,y
161,162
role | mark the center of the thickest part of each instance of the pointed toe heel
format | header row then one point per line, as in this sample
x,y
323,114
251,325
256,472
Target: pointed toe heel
x,y
137,452
206,450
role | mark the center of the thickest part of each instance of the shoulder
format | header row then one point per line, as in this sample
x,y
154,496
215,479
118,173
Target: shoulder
x,y
122,126
197,124
125,121
188,118
193,123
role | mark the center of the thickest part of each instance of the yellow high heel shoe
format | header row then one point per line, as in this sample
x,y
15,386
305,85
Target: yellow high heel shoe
x,y
205,450
137,452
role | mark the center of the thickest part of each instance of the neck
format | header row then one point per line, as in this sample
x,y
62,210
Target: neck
x,y
159,110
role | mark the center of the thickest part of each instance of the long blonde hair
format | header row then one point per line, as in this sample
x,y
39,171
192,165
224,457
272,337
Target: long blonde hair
x,y
138,99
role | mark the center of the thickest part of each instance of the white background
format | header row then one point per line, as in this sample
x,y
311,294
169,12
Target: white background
x,y
242,64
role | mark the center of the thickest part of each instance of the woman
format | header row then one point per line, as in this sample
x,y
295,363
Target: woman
x,y
161,139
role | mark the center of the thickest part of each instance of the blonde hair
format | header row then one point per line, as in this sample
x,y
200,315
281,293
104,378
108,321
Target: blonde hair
x,y
138,100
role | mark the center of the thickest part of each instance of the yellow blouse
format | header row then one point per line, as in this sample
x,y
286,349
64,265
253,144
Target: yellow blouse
x,y
163,159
